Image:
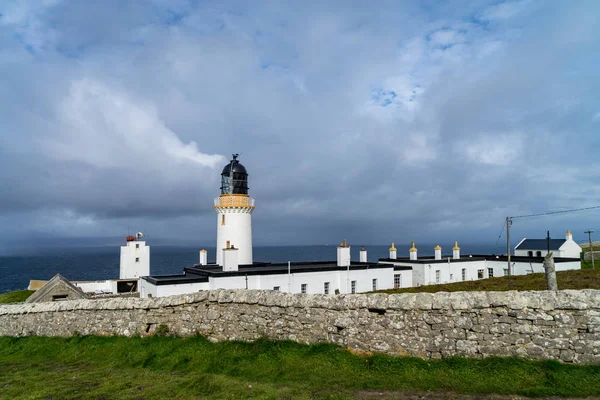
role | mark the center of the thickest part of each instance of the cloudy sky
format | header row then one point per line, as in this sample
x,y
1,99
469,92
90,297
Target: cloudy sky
x,y
425,120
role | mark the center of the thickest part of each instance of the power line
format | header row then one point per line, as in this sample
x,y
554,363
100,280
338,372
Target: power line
x,y
500,235
555,212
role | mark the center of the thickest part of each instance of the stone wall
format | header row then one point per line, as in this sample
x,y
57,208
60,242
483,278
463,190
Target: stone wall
x,y
588,255
563,325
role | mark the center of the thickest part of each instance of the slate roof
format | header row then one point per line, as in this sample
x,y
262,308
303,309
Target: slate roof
x,y
540,244
57,285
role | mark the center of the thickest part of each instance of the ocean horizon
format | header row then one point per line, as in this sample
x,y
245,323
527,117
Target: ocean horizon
x,y
102,262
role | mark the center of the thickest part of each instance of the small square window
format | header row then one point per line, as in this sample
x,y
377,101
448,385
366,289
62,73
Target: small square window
x,y
303,288
137,245
479,274
437,276
374,284
464,274
326,288
276,288
539,253
353,287
137,259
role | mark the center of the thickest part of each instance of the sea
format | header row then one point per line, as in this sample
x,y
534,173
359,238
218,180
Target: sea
x,y
102,262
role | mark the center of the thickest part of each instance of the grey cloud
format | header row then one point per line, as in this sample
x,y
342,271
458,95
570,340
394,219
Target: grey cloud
x,y
101,119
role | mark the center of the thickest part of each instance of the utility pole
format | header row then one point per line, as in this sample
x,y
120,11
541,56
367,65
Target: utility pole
x,y
589,232
548,242
508,223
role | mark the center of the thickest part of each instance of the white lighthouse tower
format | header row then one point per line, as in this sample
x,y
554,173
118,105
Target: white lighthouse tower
x,y
234,213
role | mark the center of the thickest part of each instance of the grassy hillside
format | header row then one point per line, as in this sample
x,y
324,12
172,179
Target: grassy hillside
x,y
576,279
17,296
168,367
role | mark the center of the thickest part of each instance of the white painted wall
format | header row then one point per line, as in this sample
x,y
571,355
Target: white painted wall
x,y
237,229
135,260
97,286
315,282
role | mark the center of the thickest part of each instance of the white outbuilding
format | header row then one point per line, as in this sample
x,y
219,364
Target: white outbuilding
x,y
560,248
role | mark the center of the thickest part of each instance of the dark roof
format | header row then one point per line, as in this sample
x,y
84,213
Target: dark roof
x,y
173,279
238,168
201,273
279,268
540,244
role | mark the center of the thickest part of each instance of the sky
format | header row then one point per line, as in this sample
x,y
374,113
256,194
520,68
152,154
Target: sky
x,y
409,120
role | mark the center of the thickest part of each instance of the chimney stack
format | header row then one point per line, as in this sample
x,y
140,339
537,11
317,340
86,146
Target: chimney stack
x,y
230,259
569,236
363,255
413,251
203,257
438,252
343,255
456,251
393,252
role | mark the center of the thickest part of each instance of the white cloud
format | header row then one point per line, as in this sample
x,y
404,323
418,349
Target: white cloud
x,y
26,18
105,127
506,10
497,150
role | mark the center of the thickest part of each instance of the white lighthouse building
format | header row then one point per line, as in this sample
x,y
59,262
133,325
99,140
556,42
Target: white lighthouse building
x,y
234,213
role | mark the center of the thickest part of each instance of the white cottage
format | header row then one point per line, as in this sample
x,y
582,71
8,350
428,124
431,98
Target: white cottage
x,y
560,248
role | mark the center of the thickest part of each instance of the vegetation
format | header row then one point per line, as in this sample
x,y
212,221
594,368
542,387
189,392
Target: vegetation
x,y
168,367
575,279
17,296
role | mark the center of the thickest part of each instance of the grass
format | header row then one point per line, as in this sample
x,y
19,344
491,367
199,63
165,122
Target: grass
x,y
18,296
93,367
575,279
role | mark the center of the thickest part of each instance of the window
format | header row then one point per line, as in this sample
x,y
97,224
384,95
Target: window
x,y
353,287
505,271
530,253
490,272
479,274
437,276
326,288
303,288
397,281
451,276
276,288
374,284
223,219
539,253
464,274
137,245
137,259
60,297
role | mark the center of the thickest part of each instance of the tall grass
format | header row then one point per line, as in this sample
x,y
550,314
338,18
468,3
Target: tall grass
x,y
169,367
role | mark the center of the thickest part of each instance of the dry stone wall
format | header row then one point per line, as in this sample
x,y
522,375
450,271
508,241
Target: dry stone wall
x,y
562,325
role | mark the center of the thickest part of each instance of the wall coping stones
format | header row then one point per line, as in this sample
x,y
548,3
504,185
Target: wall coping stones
x,y
514,300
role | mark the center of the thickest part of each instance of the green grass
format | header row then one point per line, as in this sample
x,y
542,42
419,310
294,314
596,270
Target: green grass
x,y
17,296
95,367
575,279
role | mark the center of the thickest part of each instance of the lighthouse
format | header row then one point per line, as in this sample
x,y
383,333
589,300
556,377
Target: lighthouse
x,y
234,213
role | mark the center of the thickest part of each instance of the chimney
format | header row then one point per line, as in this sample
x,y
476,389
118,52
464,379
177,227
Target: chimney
x,y
413,251
569,236
343,255
393,252
230,259
363,255
438,252
456,251
203,257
